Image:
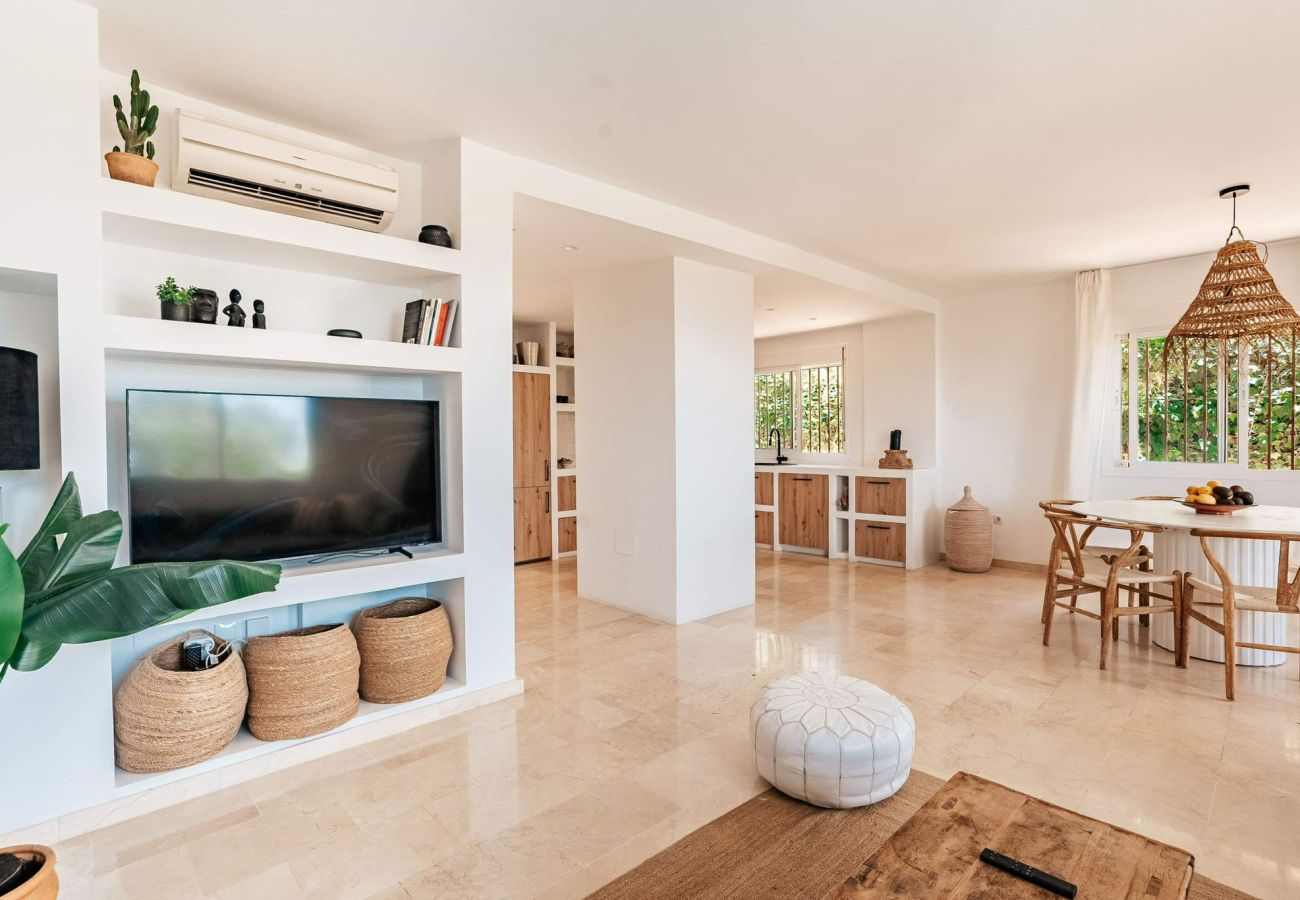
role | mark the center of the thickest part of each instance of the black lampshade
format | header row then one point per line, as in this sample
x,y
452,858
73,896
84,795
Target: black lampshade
x,y
20,422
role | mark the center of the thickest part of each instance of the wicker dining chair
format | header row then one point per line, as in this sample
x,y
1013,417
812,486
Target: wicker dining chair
x,y
1143,561
1074,573
1283,599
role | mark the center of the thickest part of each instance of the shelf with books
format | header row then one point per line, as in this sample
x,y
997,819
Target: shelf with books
x,y
431,322
131,337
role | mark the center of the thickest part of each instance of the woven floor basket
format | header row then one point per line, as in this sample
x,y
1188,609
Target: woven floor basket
x,y
968,535
301,682
405,646
165,718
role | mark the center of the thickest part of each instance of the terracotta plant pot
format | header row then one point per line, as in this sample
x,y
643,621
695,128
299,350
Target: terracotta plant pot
x,y
175,312
44,885
131,167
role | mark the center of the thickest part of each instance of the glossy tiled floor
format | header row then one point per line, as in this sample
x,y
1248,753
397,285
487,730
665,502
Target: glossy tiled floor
x,y
631,734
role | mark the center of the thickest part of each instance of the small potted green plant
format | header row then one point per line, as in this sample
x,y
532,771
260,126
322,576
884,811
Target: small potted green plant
x,y
175,300
132,160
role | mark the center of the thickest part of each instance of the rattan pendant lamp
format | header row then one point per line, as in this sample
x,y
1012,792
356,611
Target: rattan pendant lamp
x,y
1238,298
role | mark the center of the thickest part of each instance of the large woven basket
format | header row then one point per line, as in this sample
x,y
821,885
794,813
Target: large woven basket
x,y
301,682
166,718
404,646
968,535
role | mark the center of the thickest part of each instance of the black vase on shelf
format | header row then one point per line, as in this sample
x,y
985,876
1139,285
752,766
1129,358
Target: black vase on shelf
x,y
436,235
175,312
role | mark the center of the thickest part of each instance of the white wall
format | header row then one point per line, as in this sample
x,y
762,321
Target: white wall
x,y
1005,370
900,387
889,370
627,432
665,391
713,333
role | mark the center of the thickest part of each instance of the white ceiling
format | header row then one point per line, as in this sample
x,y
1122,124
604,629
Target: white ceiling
x,y
948,145
545,272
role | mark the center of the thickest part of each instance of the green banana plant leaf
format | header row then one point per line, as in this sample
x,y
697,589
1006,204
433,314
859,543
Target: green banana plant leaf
x,y
11,602
29,655
124,601
41,551
88,551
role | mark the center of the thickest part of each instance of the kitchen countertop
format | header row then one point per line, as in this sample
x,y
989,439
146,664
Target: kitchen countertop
x,y
816,469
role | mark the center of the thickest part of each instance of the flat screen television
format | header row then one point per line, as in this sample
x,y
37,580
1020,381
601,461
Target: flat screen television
x,y
256,476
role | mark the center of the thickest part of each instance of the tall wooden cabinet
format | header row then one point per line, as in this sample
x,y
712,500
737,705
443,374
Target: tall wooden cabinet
x,y
533,504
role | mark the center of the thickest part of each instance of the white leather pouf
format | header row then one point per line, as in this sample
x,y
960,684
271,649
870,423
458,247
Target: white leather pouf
x,y
832,740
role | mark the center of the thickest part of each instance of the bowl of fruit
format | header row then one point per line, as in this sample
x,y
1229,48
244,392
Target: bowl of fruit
x,y
1214,499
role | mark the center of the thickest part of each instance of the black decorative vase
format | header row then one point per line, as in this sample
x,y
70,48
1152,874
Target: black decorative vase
x,y
175,312
436,235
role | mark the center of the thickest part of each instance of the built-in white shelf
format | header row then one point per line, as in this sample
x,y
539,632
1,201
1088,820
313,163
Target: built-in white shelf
x,y
565,473
566,407
245,747
565,513
566,361
532,370
138,337
302,582
202,226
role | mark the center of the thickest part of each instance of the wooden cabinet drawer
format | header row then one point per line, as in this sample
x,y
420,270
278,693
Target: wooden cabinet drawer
x,y
803,511
566,493
881,540
882,496
568,534
763,528
763,489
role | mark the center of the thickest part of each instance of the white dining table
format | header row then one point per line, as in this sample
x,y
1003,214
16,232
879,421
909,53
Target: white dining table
x,y
1247,562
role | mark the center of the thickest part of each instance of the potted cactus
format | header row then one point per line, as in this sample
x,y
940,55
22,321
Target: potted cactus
x,y
175,300
132,160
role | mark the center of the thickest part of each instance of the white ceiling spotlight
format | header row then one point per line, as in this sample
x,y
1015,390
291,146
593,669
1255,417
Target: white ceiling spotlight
x,y
570,247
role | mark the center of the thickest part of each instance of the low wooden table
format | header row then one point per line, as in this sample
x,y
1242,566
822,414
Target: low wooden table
x,y
936,853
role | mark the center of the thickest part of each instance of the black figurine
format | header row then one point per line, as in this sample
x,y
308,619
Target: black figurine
x,y
203,308
235,311
259,314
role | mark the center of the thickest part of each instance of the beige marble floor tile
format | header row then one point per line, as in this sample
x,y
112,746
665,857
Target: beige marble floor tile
x,y
632,733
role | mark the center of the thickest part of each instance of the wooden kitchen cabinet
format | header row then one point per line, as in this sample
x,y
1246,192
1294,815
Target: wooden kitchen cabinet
x,y
568,534
532,415
762,488
881,540
566,494
532,429
882,496
762,528
532,523
803,511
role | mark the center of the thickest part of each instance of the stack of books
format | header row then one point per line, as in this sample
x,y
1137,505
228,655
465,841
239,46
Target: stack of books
x,y
429,322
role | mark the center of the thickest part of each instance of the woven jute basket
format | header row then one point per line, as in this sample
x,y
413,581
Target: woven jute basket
x,y
166,718
405,646
301,682
968,535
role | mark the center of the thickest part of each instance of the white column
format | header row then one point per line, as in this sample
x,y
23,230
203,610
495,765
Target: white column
x,y
665,383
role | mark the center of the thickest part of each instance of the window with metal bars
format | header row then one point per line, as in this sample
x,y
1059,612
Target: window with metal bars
x,y
806,403
1184,405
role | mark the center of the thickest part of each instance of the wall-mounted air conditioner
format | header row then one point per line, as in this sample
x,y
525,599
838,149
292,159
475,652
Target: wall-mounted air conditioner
x,y
218,160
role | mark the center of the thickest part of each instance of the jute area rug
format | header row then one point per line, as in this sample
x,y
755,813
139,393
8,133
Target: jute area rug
x,y
776,847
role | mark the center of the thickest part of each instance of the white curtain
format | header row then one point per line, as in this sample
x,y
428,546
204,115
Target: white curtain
x,y
1092,339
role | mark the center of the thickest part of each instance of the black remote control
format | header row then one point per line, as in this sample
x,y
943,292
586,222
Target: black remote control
x,y
1057,886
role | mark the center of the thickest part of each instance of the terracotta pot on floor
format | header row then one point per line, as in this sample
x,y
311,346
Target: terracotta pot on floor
x,y
44,885
131,167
